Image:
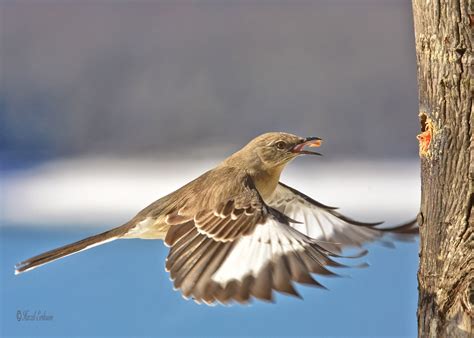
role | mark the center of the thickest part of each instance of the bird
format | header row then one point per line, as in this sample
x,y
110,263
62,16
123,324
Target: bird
x,y
237,233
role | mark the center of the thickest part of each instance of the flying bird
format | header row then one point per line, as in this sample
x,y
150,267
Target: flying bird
x,y
236,232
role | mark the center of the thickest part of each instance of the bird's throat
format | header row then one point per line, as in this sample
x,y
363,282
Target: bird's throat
x,y
267,181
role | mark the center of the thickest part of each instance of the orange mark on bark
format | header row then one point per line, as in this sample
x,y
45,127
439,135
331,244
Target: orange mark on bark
x,y
424,138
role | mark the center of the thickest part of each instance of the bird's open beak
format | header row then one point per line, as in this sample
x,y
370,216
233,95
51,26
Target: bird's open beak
x,y
310,142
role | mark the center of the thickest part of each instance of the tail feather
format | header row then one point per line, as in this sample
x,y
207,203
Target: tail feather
x,y
70,249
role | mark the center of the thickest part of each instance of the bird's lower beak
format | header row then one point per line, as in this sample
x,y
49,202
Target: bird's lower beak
x,y
310,142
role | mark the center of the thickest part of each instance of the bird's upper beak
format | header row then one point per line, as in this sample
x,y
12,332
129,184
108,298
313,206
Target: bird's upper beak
x,y
310,142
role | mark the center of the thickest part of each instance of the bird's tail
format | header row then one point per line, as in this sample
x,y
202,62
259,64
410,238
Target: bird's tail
x,y
87,243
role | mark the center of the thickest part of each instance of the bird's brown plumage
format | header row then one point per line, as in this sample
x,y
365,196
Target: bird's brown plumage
x,y
236,232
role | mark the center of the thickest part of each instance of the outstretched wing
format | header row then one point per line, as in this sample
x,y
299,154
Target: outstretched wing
x,y
239,250
334,230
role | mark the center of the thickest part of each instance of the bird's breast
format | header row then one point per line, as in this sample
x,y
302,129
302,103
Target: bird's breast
x,y
266,184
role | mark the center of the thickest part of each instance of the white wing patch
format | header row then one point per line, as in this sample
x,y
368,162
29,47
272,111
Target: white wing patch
x,y
320,222
315,222
254,252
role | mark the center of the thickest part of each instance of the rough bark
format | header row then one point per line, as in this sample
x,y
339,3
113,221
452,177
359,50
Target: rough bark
x,y
443,31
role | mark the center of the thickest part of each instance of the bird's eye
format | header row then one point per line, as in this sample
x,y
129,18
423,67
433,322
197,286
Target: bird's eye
x,y
280,145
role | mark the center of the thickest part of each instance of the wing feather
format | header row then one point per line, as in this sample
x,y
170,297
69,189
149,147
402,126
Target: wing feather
x,y
268,259
243,248
334,230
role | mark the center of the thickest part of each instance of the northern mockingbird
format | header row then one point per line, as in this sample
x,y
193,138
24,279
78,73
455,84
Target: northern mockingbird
x,y
237,232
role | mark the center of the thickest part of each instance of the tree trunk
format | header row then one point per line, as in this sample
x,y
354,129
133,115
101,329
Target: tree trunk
x,y
443,31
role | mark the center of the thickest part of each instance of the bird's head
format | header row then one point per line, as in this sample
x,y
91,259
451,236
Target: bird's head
x,y
276,149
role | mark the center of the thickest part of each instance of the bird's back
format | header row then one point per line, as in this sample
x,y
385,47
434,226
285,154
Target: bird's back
x,y
205,192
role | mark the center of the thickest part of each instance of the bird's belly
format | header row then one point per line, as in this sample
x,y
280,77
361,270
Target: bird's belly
x,y
149,228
